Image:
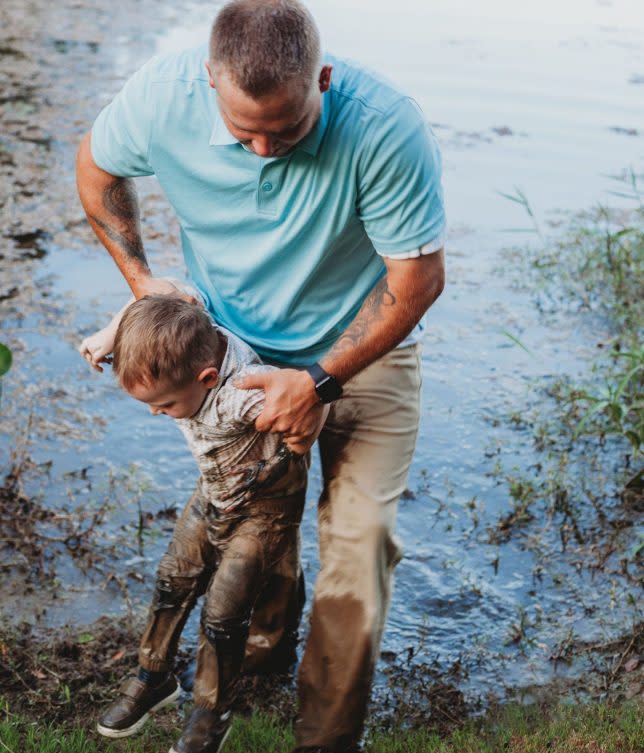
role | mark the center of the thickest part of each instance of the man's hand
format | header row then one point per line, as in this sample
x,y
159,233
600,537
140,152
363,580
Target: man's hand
x,y
292,406
159,286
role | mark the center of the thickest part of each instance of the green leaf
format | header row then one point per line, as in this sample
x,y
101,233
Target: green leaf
x,y
627,378
589,414
616,412
5,359
516,340
624,231
86,638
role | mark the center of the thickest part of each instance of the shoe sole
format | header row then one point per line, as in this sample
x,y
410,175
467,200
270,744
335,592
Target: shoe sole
x,y
221,744
115,734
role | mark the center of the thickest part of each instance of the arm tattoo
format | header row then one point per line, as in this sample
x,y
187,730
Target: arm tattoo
x,y
370,313
119,199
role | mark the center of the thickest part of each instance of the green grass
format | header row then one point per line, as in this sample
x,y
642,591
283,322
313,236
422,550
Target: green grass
x,y
598,728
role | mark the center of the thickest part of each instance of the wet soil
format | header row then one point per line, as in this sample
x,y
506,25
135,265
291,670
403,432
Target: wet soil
x,y
67,675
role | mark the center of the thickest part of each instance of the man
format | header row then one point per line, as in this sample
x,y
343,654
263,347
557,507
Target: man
x,y
311,212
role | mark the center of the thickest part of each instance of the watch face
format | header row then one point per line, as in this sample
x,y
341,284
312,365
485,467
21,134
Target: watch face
x,y
328,389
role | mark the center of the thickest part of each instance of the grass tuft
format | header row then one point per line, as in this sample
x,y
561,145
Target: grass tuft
x,y
598,728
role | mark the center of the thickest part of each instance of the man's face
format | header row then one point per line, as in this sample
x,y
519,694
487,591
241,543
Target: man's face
x,y
177,402
273,124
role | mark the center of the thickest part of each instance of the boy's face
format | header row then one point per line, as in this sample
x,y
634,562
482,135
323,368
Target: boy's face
x,y
177,402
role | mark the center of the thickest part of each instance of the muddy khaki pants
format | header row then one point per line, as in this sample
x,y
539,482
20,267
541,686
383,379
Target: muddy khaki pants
x,y
232,557
366,448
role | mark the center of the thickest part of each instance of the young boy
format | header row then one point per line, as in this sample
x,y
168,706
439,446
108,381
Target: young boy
x,y
242,520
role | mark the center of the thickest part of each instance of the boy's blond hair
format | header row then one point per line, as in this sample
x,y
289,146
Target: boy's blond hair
x,y
162,338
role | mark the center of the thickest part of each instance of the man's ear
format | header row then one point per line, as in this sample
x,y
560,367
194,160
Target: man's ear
x,y
324,80
208,377
211,78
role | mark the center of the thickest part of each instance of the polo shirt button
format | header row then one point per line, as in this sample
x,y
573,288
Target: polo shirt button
x,y
267,186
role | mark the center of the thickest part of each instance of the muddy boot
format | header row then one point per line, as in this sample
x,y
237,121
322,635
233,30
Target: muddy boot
x,y
205,732
137,700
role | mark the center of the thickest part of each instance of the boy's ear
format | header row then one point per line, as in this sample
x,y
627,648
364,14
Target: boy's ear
x,y
208,377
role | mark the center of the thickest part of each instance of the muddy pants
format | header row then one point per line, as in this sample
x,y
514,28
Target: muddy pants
x,y
232,557
366,448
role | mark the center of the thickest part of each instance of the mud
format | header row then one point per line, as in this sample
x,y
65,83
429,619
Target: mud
x,y
68,674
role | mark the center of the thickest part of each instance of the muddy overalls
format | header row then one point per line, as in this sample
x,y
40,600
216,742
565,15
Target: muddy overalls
x,y
237,541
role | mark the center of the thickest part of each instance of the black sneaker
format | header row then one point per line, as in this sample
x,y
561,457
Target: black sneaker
x,y
130,711
205,732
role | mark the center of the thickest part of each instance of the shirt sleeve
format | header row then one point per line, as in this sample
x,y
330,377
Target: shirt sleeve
x,y
400,198
122,132
249,403
252,406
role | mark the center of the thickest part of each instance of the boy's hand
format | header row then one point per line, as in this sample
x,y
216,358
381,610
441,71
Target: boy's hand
x,y
291,406
96,348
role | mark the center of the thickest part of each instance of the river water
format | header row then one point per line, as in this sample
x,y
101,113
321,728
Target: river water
x,y
545,96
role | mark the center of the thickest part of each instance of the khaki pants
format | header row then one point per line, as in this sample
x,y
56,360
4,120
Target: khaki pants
x,y
366,448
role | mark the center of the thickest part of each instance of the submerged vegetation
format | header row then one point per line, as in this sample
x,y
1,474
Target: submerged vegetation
x,y
596,268
578,497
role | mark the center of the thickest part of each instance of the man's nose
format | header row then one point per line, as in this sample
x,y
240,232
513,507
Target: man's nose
x,y
263,146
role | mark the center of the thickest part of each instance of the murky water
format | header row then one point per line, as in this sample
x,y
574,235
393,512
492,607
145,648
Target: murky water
x,y
547,96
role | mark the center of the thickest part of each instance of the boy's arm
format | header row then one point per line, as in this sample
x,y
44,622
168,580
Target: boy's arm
x,y
96,348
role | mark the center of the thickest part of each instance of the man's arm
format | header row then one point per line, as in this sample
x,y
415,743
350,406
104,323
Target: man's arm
x,y
389,313
112,209
387,316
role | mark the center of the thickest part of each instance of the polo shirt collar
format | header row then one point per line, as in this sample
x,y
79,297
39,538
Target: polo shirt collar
x,y
221,136
311,142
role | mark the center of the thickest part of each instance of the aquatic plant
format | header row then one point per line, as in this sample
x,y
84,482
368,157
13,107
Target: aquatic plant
x,y
597,266
5,362
580,496
617,406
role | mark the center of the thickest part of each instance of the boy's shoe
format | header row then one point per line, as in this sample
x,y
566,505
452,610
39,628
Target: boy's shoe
x,y
205,732
130,711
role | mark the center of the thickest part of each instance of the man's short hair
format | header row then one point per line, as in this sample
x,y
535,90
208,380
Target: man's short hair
x,y
162,338
265,44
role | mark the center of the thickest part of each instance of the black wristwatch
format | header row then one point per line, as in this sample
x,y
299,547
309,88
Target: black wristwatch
x,y
327,386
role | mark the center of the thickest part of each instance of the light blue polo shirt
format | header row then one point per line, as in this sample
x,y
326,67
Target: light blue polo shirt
x,y
284,249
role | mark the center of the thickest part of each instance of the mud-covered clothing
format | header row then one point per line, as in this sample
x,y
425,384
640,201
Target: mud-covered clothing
x,y
366,447
237,540
233,557
238,463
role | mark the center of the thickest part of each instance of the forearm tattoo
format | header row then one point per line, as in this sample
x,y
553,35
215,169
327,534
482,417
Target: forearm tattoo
x,y
372,311
120,200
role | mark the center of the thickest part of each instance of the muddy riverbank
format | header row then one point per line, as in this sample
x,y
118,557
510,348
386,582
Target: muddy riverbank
x,y
511,586
66,675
